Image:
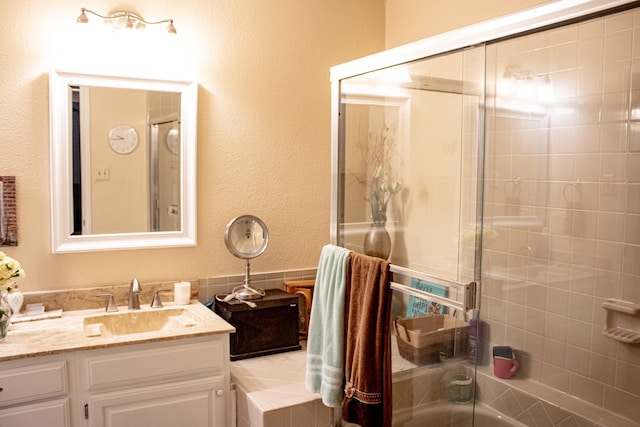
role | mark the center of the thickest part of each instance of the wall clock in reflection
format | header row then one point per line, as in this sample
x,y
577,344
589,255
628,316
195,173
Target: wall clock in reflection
x,y
123,139
246,237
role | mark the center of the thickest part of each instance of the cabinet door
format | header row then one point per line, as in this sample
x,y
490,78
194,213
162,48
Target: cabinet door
x,y
52,414
193,403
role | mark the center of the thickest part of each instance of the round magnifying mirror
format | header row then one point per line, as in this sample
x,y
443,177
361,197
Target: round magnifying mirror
x,y
247,237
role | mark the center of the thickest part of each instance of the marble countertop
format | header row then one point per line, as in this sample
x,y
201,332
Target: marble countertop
x,y
66,333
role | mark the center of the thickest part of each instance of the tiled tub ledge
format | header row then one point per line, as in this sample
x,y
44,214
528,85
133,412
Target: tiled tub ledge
x,y
271,393
534,404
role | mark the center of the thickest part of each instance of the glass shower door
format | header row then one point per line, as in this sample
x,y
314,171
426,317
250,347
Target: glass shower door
x,y
409,176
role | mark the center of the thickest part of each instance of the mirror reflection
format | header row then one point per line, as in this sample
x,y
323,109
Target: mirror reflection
x,y
122,161
247,237
126,147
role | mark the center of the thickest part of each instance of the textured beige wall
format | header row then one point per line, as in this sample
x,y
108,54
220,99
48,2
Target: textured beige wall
x,y
263,128
119,204
411,20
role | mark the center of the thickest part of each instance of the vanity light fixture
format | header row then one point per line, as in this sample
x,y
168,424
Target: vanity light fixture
x,y
124,20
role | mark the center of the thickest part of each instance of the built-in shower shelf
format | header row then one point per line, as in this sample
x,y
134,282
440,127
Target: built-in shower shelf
x,y
623,321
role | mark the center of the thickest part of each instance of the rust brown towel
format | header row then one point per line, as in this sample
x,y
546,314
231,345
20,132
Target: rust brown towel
x,y
368,399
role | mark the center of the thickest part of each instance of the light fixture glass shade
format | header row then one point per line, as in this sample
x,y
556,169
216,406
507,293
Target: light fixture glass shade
x,y
82,18
124,20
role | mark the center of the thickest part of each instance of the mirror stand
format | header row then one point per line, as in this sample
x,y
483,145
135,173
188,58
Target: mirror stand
x,y
246,291
246,237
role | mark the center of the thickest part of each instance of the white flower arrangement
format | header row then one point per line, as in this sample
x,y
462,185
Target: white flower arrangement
x,y
9,269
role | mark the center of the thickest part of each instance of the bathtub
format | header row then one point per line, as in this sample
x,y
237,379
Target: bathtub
x,y
452,415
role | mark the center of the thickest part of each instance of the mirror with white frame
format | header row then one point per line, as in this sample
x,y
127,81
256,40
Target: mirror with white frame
x,y
123,162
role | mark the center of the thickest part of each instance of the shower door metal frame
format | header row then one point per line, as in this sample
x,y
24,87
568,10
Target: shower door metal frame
x,y
531,20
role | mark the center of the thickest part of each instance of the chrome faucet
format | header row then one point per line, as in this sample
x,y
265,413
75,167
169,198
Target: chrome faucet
x,y
134,289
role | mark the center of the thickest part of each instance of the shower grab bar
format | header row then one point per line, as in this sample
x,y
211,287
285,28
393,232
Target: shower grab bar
x,y
470,290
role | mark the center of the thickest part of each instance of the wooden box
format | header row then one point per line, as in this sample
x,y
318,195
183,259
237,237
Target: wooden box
x,y
271,327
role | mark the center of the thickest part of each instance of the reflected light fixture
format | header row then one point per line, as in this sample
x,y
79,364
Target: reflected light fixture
x,y
523,83
124,20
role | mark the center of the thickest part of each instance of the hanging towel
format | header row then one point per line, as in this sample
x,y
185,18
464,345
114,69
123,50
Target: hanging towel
x,y
325,342
368,400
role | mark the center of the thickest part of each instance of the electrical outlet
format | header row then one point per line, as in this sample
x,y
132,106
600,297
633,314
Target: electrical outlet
x,y
102,174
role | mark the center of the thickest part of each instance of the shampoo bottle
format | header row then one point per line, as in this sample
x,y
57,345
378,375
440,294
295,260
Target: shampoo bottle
x,y
475,339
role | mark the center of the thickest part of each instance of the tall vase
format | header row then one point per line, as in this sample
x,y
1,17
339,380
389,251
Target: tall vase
x,y
16,298
377,242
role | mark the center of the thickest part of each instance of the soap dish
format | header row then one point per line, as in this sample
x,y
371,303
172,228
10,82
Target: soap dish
x,y
623,321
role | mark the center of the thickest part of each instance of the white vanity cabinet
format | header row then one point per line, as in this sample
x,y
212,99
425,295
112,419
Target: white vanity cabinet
x,y
35,391
167,383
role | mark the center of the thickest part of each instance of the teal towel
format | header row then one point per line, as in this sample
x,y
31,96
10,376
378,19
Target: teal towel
x,y
325,341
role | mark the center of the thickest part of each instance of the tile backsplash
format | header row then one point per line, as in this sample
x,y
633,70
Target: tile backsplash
x,y
208,288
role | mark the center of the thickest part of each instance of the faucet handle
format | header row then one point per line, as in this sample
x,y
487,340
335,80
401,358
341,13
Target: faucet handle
x,y
155,302
111,303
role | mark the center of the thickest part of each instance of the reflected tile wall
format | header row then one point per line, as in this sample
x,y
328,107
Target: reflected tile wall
x,y
562,198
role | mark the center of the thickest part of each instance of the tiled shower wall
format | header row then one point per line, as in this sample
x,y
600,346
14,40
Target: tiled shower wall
x,y
562,205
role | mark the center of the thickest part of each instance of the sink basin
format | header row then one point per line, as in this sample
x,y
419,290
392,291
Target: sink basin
x,y
134,322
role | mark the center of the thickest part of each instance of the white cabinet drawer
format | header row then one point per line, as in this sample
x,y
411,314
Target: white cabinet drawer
x,y
127,367
53,413
28,383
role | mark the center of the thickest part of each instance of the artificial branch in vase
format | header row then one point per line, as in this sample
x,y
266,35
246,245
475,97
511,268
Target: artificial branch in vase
x,y
381,192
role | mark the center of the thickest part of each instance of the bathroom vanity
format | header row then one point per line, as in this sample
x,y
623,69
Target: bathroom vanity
x,y
51,370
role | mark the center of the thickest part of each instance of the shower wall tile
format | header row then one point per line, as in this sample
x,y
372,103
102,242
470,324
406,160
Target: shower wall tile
x,y
587,138
557,301
610,226
578,361
587,166
611,197
591,29
633,168
586,188
630,260
622,403
555,353
633,198
616,77
580,307
630,290
579,334
555,377
603,369
613,137
586,389
615,107
590,73
618,22
632,229
534,320
627,378
617,46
